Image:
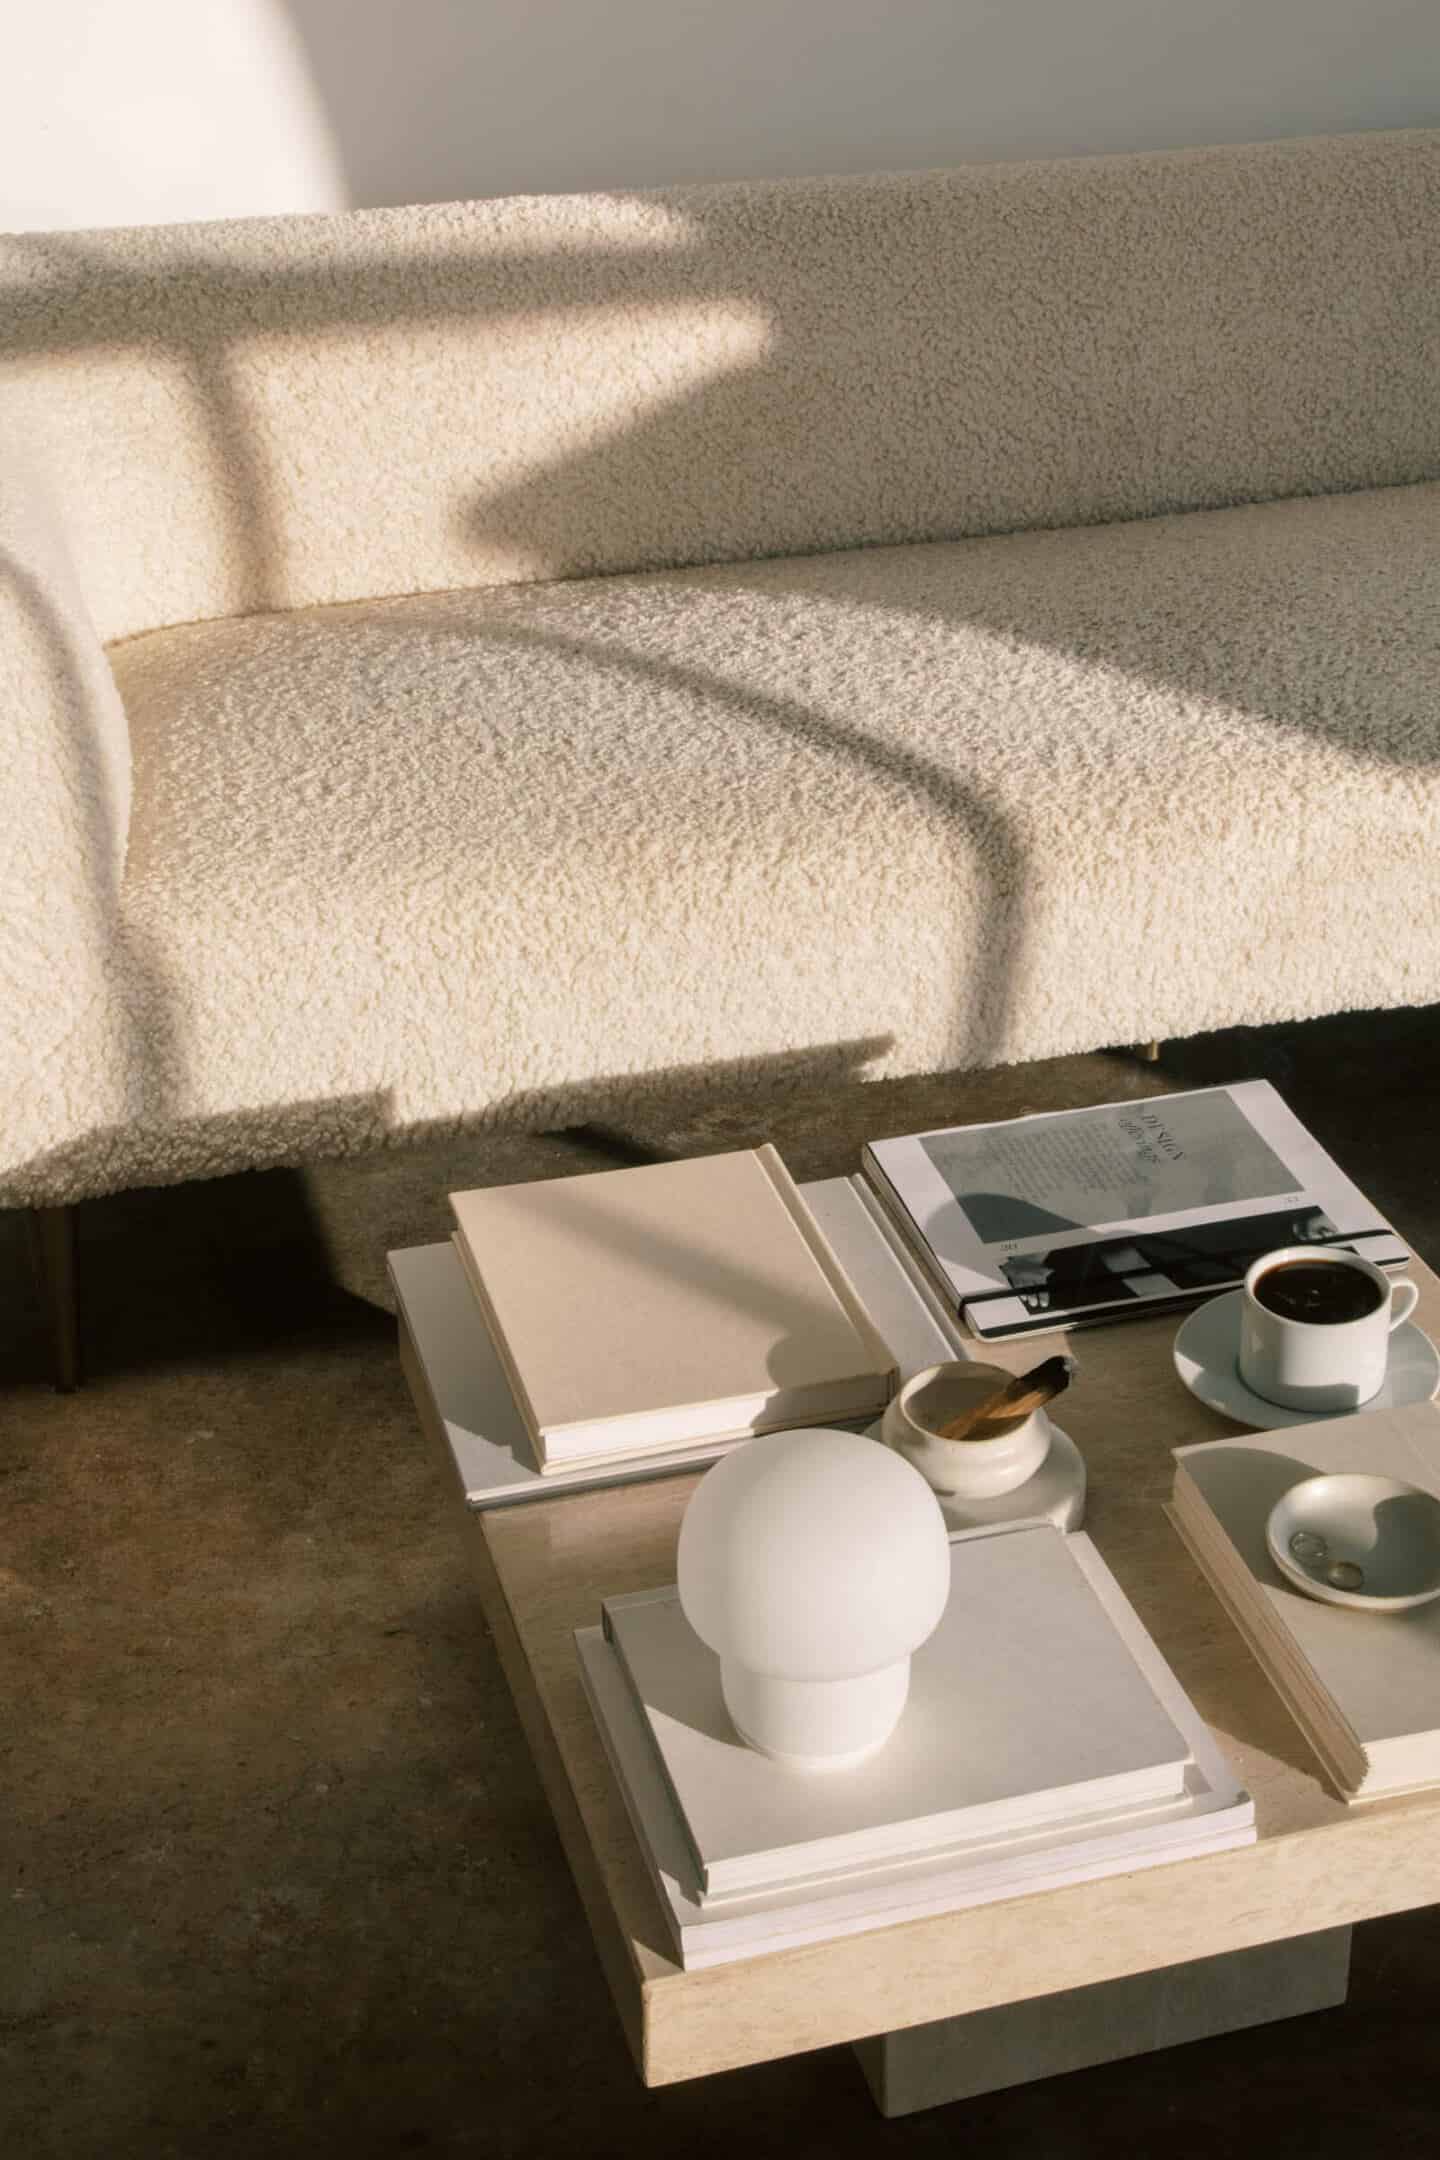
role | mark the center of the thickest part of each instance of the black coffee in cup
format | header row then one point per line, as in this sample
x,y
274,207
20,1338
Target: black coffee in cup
x,y
1320,1291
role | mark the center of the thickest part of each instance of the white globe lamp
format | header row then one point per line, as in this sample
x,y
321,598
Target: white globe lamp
x,y
814,1564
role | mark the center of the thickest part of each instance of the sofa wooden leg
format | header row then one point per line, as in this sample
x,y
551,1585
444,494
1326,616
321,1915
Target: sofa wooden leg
x,y
1148,1052
53,1237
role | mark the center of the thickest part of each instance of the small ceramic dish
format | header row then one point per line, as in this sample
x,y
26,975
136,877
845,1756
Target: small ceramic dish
x,y
963,1469
1351,1539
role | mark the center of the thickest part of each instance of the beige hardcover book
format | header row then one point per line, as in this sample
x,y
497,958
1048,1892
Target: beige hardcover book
x,y
641,1309
1363,1686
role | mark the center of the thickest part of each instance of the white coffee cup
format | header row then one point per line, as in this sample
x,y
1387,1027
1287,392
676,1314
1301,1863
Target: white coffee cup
x,y
1317,1364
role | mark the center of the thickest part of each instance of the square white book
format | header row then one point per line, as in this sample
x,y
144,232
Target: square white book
x,y
1026,1708
1212,1814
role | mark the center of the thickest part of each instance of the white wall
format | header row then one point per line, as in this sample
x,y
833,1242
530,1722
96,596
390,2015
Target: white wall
x,y
446,98
118,111
138,112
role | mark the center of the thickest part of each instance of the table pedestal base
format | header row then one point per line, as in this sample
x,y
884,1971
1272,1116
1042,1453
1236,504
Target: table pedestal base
x,y
957,2058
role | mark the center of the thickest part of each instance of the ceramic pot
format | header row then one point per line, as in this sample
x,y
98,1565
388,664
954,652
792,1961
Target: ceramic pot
x,y
964,1469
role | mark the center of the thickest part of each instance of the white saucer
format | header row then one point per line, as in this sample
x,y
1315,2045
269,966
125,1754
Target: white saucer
x,y
1205,1353
1055,1494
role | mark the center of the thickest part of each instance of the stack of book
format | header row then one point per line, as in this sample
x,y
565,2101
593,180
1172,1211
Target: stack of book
x,y
1363,1687
665,1309
1045,1741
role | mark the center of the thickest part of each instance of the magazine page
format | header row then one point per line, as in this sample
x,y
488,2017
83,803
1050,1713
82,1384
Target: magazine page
x,y
1170,1196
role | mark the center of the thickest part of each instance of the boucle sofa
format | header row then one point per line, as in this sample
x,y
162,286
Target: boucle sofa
x,y
459,663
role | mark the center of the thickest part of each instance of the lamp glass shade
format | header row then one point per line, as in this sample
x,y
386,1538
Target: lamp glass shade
x,y
813,1555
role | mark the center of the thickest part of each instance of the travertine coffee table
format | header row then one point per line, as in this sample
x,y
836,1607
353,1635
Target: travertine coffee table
x,y
953,2004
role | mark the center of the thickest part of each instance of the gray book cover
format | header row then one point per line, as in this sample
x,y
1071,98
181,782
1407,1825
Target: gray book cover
x,y
1026,1707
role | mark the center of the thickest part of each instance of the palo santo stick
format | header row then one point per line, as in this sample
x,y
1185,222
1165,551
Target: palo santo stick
x,y
1015,1399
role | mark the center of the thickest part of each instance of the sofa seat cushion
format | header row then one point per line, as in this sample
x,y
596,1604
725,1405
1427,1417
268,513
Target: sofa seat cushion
x,y
475,854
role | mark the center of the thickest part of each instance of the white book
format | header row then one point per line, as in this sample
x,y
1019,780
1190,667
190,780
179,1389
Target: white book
x,y
1026,1708
1214,1814
1364,1687
1073,1216
667,1305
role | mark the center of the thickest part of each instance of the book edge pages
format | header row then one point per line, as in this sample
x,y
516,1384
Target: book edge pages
x,y
654,1755
787,1412
910,1236
1235,1613
513,1379
1095,1868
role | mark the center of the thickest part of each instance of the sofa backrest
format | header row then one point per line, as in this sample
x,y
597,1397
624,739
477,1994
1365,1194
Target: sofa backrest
x,y
283,411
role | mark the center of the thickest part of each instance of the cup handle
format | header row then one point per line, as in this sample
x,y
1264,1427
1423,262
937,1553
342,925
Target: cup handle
x,y
1404,1297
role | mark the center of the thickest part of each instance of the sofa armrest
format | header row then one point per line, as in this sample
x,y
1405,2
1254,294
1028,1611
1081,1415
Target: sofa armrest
x,y
69,1055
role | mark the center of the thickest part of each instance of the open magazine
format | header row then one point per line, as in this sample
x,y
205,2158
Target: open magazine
x,y
1076,1216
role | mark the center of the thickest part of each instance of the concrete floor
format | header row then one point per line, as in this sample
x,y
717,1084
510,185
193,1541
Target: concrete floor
x,y
278,1876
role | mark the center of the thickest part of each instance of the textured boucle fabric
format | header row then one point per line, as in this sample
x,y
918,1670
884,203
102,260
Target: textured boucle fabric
x,y
273,413
431,820
448,857
70,1064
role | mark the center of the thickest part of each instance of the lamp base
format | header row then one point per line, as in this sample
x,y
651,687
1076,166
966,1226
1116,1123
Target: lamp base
x,y
815,1724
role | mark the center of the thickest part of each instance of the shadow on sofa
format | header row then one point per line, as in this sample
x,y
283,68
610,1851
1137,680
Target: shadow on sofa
x,y
285,1267
106,307
1124,611
970,383
320,1129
